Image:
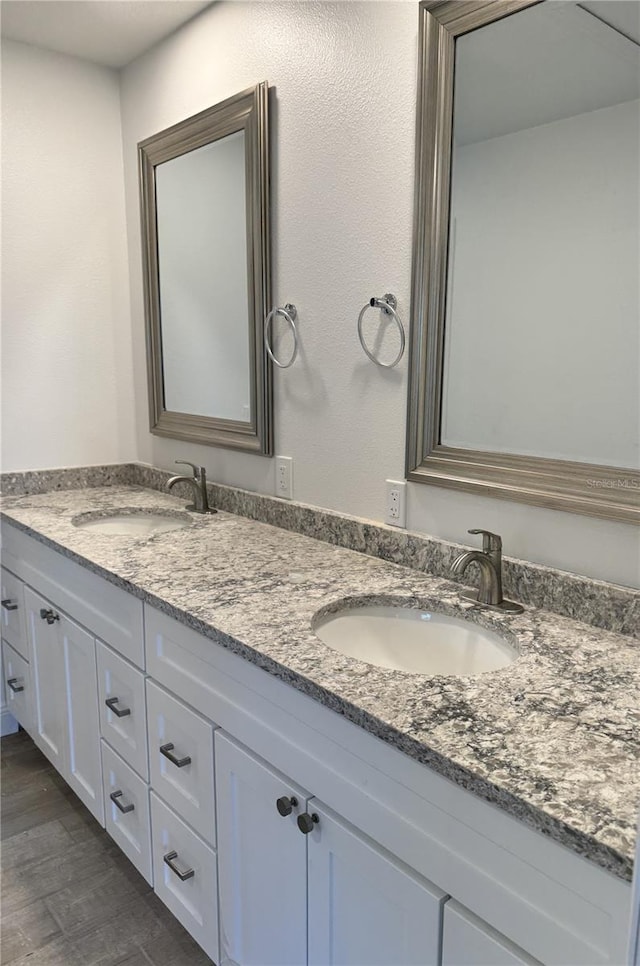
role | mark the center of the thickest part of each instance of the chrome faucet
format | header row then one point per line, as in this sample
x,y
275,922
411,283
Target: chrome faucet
x,y
489,560
198,483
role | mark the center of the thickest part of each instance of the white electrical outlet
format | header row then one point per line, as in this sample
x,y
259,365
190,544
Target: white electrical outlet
x,y
396,503
284,477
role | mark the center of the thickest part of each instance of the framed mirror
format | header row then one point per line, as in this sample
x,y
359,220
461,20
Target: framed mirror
x,y
525,349
204,186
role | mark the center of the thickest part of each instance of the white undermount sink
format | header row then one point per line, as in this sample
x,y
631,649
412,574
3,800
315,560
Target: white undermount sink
x,y
132,521
413,640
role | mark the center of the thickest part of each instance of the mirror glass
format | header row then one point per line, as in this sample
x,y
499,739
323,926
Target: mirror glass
x,y
205,223
202,268
525,343
542,305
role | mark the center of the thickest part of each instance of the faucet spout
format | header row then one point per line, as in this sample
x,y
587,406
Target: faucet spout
x,y
489,591
182,479
198,483
489,560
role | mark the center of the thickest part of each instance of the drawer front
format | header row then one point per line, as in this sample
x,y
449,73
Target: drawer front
x,y
14,626
193,898
123,711
127,813
17,681
182,772
112,614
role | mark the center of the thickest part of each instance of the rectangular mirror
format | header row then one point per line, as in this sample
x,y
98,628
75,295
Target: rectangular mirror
x,y
205,225
524,371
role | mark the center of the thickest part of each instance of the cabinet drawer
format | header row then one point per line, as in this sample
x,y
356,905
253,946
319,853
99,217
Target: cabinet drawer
x,y
14,627
17,680
123,713
189,884
181,759
127,814
112,614
467,941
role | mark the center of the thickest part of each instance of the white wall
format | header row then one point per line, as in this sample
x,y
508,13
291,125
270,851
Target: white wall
x,y
543,340
342,194
343,140
66,338
343,115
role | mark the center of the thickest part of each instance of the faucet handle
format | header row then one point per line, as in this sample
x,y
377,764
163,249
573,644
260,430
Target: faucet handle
x,y
196,469
490,541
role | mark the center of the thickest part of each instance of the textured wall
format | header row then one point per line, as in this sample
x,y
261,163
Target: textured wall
x,y
66,342
343,141
343,116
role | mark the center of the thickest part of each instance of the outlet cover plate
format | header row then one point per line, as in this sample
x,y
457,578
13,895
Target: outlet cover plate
x,y
284,477
396,506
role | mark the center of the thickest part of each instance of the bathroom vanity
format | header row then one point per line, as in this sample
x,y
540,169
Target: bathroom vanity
x,y
290,804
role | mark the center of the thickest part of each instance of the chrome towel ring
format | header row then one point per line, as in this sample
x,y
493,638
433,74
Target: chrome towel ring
x,y
388,303
289,313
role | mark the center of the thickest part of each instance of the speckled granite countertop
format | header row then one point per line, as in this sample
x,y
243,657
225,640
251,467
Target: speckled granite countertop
x,y
553,739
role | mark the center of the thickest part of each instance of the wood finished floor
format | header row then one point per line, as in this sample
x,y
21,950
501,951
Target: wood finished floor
x,y
69,896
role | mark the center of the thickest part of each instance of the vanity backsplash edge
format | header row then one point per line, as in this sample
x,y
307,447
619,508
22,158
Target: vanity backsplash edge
x,y
601,604
31,482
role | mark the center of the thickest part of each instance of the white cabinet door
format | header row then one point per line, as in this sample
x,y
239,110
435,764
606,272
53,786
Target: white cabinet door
x,y
84,769
261,862
364,905
467,941
47,680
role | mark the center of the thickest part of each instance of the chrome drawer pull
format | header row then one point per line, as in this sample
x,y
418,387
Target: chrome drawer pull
x,y
119,712
15,688
9,604
178,762
49,615
183,876
115,796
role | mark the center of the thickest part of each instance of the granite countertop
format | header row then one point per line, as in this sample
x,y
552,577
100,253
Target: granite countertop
x,y
553,739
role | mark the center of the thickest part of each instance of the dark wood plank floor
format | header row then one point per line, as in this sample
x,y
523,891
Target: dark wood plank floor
x,y
69,896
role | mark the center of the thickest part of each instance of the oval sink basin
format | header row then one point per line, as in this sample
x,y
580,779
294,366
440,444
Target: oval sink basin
x,y
415,641
131,521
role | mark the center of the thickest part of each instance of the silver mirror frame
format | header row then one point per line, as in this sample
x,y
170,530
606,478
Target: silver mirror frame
x,y
608,492
248,112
